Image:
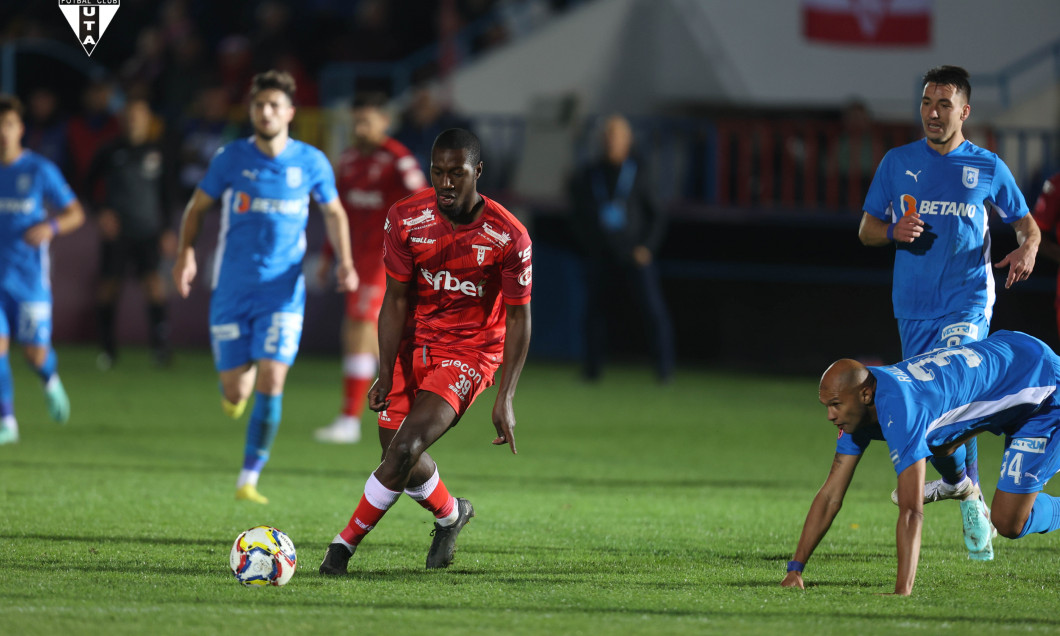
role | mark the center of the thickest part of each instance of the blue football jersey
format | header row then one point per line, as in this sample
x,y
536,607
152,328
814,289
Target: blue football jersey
x,y
26,187
264,211
947,269
993,385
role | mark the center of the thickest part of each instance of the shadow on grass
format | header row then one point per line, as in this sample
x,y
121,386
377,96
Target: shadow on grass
x,y
588,483
111,539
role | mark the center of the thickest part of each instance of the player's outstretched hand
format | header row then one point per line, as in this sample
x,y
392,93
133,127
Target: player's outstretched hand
x,y
184,270
1020,264
377,395
908,228
347,278
793,579
504,422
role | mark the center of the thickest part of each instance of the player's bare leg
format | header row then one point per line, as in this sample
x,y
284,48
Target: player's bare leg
x,y
1017,514
236,385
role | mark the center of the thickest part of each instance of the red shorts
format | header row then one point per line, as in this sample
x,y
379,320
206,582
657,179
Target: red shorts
x,y
365,303
458,378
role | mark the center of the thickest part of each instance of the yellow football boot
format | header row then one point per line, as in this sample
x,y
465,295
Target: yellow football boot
x,y
234,411
249,492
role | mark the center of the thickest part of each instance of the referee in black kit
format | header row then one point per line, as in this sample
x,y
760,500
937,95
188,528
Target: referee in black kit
x,y
128,184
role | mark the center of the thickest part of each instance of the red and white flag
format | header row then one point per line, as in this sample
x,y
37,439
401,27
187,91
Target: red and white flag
x,y
868,22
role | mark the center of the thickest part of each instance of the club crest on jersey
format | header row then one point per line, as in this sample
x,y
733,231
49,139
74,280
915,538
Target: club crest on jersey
x,y
425,217
501,238
23,183
89,19
970,178
480,252
294,176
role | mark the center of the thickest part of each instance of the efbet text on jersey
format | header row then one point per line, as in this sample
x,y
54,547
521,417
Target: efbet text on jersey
x,y
445,280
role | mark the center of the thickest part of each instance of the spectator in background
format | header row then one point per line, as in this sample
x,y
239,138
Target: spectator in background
x,y
422,121
46,126
620,227
1047,214
854,154
146,67
90,130
133,218
198,138
234,66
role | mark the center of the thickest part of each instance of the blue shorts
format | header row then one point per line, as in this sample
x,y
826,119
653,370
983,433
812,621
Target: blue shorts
x,y
921,336
1032,453
29,317
252,326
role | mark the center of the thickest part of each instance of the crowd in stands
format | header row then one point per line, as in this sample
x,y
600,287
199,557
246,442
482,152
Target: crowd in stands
x,y
193,59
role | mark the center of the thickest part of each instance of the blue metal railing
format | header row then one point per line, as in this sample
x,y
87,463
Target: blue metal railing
x,y
1003,80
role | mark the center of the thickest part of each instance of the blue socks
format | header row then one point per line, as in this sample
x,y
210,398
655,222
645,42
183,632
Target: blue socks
x,y
951,468
1044,517
261,430
7,387
47,370
971,461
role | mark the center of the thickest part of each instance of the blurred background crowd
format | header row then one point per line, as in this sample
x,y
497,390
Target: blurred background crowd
x,y
758,139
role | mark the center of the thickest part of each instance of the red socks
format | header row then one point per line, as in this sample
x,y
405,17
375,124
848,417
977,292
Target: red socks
x,y
377,499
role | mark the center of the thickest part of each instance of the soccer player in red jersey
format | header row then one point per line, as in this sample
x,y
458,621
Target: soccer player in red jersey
x,y
457,305
373,174
1047,214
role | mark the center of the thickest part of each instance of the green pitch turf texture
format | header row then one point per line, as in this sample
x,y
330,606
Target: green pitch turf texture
x,y
630,509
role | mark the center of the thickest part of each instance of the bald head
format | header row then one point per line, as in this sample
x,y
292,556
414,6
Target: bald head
x,y
844,375
848,391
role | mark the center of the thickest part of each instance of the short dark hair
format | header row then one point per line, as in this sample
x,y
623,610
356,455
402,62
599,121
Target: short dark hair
x,y
278,80
9,103
372,99
460,139
947,75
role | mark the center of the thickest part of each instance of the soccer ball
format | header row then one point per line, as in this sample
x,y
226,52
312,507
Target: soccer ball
x,y
263,555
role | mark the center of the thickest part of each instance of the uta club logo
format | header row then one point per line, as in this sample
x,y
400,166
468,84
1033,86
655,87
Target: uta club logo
x,y
89,19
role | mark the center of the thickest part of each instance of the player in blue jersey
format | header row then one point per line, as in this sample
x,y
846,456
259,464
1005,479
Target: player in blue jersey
x,y
932,199
930,405
28,182
264,184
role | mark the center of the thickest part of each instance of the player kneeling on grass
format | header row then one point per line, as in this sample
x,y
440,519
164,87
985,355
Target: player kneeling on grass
x,y
465,260
930,405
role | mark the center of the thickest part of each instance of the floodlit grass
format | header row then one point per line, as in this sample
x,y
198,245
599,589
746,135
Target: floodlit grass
x,y
631,508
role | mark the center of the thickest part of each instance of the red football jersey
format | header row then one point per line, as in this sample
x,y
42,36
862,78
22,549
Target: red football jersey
x,y
368,184
461,278
1047,214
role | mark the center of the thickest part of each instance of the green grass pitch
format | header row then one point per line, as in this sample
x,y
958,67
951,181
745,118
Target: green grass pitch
x,y
630,509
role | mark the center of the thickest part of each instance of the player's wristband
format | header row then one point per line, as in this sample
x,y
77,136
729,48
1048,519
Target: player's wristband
x,y
54,225
890,231
796,566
